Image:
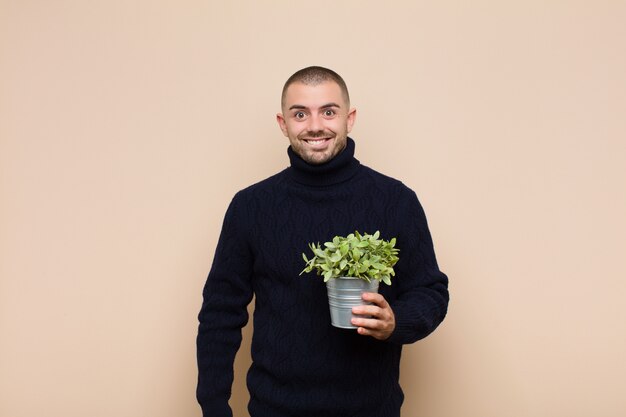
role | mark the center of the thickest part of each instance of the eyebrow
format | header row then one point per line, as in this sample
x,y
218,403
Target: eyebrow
x,y
325,106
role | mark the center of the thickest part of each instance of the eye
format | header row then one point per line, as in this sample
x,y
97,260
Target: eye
x,y
329,113
299,115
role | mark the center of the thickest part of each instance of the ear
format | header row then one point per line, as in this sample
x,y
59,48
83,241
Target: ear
x,y
351,119
281,123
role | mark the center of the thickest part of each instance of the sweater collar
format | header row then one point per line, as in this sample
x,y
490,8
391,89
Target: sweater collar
x,y
339,169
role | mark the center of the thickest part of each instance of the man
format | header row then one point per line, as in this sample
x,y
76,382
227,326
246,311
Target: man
x,y
302,366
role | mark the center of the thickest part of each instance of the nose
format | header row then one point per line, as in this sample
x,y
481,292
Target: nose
x,y
315,123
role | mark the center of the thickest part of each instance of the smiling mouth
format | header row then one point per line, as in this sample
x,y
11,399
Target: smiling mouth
x,y
316,141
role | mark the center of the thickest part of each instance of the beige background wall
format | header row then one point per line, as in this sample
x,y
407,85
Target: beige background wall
x,y
127,126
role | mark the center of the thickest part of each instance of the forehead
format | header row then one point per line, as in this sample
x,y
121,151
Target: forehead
x,y
313,96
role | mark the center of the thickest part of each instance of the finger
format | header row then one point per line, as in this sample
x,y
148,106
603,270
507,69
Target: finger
x,y
364,331
375,298
373,333
367,310
370,324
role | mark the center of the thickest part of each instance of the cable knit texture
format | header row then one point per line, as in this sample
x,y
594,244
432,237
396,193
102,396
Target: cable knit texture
x,y
302,366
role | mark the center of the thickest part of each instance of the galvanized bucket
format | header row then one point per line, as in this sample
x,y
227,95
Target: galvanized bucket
x,y
345,293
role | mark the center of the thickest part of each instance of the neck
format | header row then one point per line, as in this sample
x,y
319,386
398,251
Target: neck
x,y
339,169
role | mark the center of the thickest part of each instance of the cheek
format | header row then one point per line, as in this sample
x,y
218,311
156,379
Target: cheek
x,y
292,129
336,126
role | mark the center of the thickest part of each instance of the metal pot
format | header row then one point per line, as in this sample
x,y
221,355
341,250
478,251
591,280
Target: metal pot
x,y
345,293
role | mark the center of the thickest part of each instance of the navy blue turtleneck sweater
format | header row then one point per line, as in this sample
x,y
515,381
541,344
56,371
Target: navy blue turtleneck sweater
x,y
302,366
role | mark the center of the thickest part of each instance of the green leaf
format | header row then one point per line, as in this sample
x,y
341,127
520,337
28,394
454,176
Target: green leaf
x,y
335,257
359,255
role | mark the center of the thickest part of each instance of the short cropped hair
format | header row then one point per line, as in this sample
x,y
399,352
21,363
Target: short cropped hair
x,y
314,76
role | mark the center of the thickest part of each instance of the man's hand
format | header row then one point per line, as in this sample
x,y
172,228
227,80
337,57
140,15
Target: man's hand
x,y
383,321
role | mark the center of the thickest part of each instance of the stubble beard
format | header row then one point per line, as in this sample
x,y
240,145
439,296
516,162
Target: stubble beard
x,y
318,158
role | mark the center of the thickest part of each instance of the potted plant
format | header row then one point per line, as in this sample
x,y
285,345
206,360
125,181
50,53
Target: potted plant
x,y
350,266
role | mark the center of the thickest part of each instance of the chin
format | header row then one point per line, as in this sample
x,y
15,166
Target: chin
x,y
316,159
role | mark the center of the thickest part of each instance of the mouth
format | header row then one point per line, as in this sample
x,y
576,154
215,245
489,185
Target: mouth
x,y
316,142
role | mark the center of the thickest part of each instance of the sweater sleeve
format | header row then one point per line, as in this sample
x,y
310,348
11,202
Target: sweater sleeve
x,y
422,289
226,294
